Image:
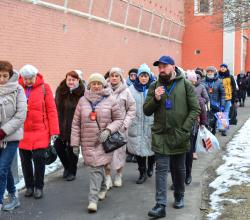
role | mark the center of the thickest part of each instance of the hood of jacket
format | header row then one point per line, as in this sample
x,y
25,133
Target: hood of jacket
x,y
39,81
223,75
10,86
97,96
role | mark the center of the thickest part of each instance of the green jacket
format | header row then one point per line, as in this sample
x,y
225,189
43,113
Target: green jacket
x,y
171,128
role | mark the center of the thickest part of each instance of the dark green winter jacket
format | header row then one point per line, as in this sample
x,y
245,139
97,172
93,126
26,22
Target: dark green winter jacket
x,y
171,128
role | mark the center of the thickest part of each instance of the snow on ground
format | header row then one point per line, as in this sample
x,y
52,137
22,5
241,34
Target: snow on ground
x,y
233,171
48,170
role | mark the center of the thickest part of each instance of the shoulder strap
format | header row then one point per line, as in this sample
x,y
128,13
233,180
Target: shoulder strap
x,y
44,90
93,110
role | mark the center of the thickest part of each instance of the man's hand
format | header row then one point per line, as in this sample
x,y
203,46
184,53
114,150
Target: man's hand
x,y
159,92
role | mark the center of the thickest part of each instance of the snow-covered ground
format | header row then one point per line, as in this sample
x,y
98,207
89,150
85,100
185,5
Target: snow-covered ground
x,y
48,170
233,171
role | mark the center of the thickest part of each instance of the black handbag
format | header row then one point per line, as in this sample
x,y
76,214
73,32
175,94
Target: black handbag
x,y
50,154
113,142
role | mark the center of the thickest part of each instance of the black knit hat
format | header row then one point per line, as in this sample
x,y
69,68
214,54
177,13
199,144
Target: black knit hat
x,y
199,71
134,70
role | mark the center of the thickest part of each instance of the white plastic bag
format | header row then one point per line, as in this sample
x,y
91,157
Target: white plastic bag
x,y
206,142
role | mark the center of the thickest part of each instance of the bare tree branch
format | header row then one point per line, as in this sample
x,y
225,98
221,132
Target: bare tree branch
x,y
236,12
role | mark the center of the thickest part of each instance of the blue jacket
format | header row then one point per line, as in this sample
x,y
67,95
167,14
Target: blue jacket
x,y
216,93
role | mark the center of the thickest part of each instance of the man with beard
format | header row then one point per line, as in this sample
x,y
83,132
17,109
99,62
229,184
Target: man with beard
x,y
230,90
175,106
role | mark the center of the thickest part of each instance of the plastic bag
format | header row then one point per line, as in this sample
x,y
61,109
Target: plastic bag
x,y
222,121
206,142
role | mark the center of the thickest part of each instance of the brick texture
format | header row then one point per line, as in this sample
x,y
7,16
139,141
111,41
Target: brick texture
x,y
57,42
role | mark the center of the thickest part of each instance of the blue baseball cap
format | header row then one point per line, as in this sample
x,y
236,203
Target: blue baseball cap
x,y
164,60
224,65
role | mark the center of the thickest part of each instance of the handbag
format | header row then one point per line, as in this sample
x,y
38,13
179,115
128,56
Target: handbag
x,y
206,142
50,154
113,142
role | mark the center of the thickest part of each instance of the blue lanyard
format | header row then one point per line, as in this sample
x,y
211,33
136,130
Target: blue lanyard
x,y
211,85
168,92
145,91
93,105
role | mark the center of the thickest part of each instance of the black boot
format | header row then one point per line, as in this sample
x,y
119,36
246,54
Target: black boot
x,y
142,177
70,177
151,161
150,170
159,211
129,158
65,173
29,192
38,194
134,160
179,202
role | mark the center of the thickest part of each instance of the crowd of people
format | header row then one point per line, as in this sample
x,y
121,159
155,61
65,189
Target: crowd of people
x,y
159,116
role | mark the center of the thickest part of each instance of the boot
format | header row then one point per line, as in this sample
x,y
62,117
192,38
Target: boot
x,y
118,180
70,177
102,195
224,133
92,207
142,177
12,204
134,160
159,211
38,194
150,170
109,182
29,192
129,158
178,202
65,173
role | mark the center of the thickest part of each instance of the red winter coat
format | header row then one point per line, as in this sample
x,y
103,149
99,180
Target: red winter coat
x,y
42,119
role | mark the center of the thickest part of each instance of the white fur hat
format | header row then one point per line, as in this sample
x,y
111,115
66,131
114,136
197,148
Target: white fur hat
x,y
28,71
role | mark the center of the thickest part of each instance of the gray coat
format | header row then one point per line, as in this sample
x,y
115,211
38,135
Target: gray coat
x,y
139,133
13,109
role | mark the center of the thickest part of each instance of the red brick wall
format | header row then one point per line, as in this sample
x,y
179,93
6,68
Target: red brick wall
x,y
201,35
58,42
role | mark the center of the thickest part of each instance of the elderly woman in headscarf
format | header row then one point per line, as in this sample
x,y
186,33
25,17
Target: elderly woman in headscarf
x,y
128,107
97,115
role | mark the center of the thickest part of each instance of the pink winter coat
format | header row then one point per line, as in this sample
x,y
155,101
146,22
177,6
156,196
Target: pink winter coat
x,y
128,107
85,132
